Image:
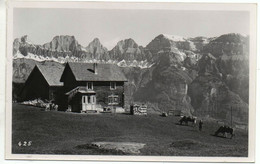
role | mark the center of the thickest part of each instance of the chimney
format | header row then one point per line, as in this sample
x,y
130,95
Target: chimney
x,y
95,68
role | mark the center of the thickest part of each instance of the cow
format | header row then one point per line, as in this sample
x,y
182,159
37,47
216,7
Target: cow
x,y
224,130
188,119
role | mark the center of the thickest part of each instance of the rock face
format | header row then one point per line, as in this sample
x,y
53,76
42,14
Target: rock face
x,y
232,53
21,69
168,44
229,44
129,50
63,44
207,65
223,79
200,76
167,88
211,97
95,50
200,42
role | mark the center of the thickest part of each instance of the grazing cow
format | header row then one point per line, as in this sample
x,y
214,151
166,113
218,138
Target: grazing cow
x,y
224,130
188,119
164,114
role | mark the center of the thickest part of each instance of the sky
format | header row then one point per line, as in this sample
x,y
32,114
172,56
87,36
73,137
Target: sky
x,y
111,26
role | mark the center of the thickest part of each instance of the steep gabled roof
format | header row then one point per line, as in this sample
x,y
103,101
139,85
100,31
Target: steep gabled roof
x,y
105,72
51,74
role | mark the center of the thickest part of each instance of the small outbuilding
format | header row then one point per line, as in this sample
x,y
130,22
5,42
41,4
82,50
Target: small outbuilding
x,y
43,83
138,109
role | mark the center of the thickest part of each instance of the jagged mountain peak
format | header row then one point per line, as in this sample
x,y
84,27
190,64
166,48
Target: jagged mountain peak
x,y
96,43
63,43
23,40
229,45
64,37
127,43
96,40
168,43
174,38
199,39
231,37
95,46
129,50
170,38
129,40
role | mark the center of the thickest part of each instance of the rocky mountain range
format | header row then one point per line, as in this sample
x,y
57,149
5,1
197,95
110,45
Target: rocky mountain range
x,y
126,52
199,76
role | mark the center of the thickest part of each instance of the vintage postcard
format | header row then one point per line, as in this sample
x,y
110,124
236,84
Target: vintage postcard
x,y
120,81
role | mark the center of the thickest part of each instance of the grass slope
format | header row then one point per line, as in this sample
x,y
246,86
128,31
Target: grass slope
x,y
67,133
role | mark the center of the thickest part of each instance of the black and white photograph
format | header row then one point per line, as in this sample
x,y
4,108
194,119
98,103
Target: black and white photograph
x,y
131,81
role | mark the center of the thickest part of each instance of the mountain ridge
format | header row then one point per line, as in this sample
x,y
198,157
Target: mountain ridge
x,y
190,74
65,47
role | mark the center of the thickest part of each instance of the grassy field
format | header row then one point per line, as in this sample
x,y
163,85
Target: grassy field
x,y
55,132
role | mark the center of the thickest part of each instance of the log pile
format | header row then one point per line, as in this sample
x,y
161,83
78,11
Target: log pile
x,y
138,109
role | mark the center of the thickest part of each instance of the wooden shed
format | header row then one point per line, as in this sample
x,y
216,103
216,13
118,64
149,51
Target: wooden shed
x,y
43,82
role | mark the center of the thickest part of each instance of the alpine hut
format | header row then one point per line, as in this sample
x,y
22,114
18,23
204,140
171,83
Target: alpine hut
x,y
93,87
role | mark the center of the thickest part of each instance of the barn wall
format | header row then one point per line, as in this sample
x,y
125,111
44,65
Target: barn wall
x,y
69,83
61,99
69,80
76,103
54,92
17,91
35,87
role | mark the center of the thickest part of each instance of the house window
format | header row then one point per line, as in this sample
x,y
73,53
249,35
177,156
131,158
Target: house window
x,y
116,99
89,85
112,85
83,100
93,99
89,101
113,100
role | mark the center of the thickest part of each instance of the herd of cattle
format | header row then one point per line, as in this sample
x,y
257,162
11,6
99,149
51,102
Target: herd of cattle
x,y
223,130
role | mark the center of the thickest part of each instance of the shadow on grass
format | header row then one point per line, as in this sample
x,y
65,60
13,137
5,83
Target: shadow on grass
x,y
126,113
220,136
184,125
187,144
98,150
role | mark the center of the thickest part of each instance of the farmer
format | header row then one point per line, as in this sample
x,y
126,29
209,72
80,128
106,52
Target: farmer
x,y
200,125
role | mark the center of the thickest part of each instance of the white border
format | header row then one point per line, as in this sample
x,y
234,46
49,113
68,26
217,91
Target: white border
x,y
138,5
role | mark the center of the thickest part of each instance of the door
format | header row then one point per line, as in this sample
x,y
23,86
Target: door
x,y
88,102
93,102
84,103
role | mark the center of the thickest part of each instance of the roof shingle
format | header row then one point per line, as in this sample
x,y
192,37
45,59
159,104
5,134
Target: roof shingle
x,y
105,72
51,74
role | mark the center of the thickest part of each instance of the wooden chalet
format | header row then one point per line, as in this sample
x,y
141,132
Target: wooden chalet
x,y
43,82
93,87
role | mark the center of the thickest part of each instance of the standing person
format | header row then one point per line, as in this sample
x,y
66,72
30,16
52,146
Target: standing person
x,y
200,125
